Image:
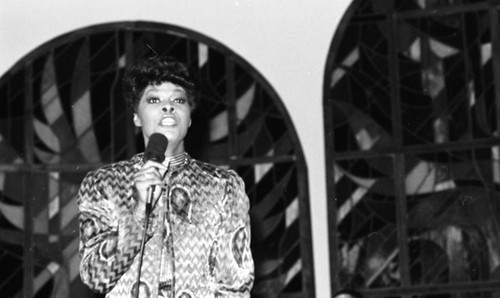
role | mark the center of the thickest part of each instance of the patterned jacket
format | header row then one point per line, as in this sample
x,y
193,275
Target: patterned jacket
x,y
197,241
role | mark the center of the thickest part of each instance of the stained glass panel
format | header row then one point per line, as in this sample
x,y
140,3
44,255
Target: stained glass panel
x,y
412,148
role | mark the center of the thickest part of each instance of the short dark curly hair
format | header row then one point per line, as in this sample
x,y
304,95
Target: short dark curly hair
x,y
154,71
348,292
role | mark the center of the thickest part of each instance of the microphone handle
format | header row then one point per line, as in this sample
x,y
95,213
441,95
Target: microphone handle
x,y
150,196
149,203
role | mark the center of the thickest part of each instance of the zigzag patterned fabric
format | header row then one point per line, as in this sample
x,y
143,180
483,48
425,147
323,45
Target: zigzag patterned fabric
x,y
198,238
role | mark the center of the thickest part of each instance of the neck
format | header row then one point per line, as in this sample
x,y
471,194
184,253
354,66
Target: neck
x,y
175,160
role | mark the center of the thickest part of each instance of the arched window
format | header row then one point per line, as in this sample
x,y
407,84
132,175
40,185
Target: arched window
x,y
62,114
412,98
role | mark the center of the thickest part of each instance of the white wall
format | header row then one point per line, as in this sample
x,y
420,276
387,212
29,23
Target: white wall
x,y
286,40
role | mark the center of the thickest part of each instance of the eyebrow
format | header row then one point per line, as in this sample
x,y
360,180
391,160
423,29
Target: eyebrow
x,y
155,88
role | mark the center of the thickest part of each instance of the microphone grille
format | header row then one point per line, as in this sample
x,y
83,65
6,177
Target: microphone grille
x,y
155,150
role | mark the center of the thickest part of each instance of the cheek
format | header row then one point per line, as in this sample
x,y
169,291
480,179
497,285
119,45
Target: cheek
x,y
144,117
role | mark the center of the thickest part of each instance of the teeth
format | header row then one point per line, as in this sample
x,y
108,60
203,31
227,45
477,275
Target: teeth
x,y
167,121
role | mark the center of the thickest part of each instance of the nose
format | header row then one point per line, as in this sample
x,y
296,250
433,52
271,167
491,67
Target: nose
x,y
168,109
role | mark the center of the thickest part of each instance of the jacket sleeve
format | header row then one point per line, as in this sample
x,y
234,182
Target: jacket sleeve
x,y
235,267
110,235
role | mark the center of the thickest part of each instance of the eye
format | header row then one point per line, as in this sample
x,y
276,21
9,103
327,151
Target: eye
x,y
180,100
152,99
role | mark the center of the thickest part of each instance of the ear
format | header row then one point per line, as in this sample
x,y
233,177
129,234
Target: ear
x,y
137,121
190,120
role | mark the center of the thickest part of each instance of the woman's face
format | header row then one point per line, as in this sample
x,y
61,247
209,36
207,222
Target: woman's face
x,y
164,109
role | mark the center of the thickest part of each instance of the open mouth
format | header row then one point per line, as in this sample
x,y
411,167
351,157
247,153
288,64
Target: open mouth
x,y
168,121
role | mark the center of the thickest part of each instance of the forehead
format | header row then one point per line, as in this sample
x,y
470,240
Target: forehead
x,y
165,87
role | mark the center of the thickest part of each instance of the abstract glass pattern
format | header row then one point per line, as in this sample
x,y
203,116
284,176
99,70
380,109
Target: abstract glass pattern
x,y
412,122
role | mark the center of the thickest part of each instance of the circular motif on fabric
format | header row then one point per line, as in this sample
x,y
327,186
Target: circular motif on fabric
x,y
88,229
185,294
144,290
108,248
239,241
181,202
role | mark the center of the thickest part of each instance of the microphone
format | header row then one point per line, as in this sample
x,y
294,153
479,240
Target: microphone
x,y
155,150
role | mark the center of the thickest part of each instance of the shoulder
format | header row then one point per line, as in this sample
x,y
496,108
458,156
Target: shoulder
x,y
118,169
214,171
211,174
109,181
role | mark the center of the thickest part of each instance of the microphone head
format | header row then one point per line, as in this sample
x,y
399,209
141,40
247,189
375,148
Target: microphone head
x,y
156,147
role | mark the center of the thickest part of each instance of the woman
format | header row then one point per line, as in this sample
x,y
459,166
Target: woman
x,y
197,240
